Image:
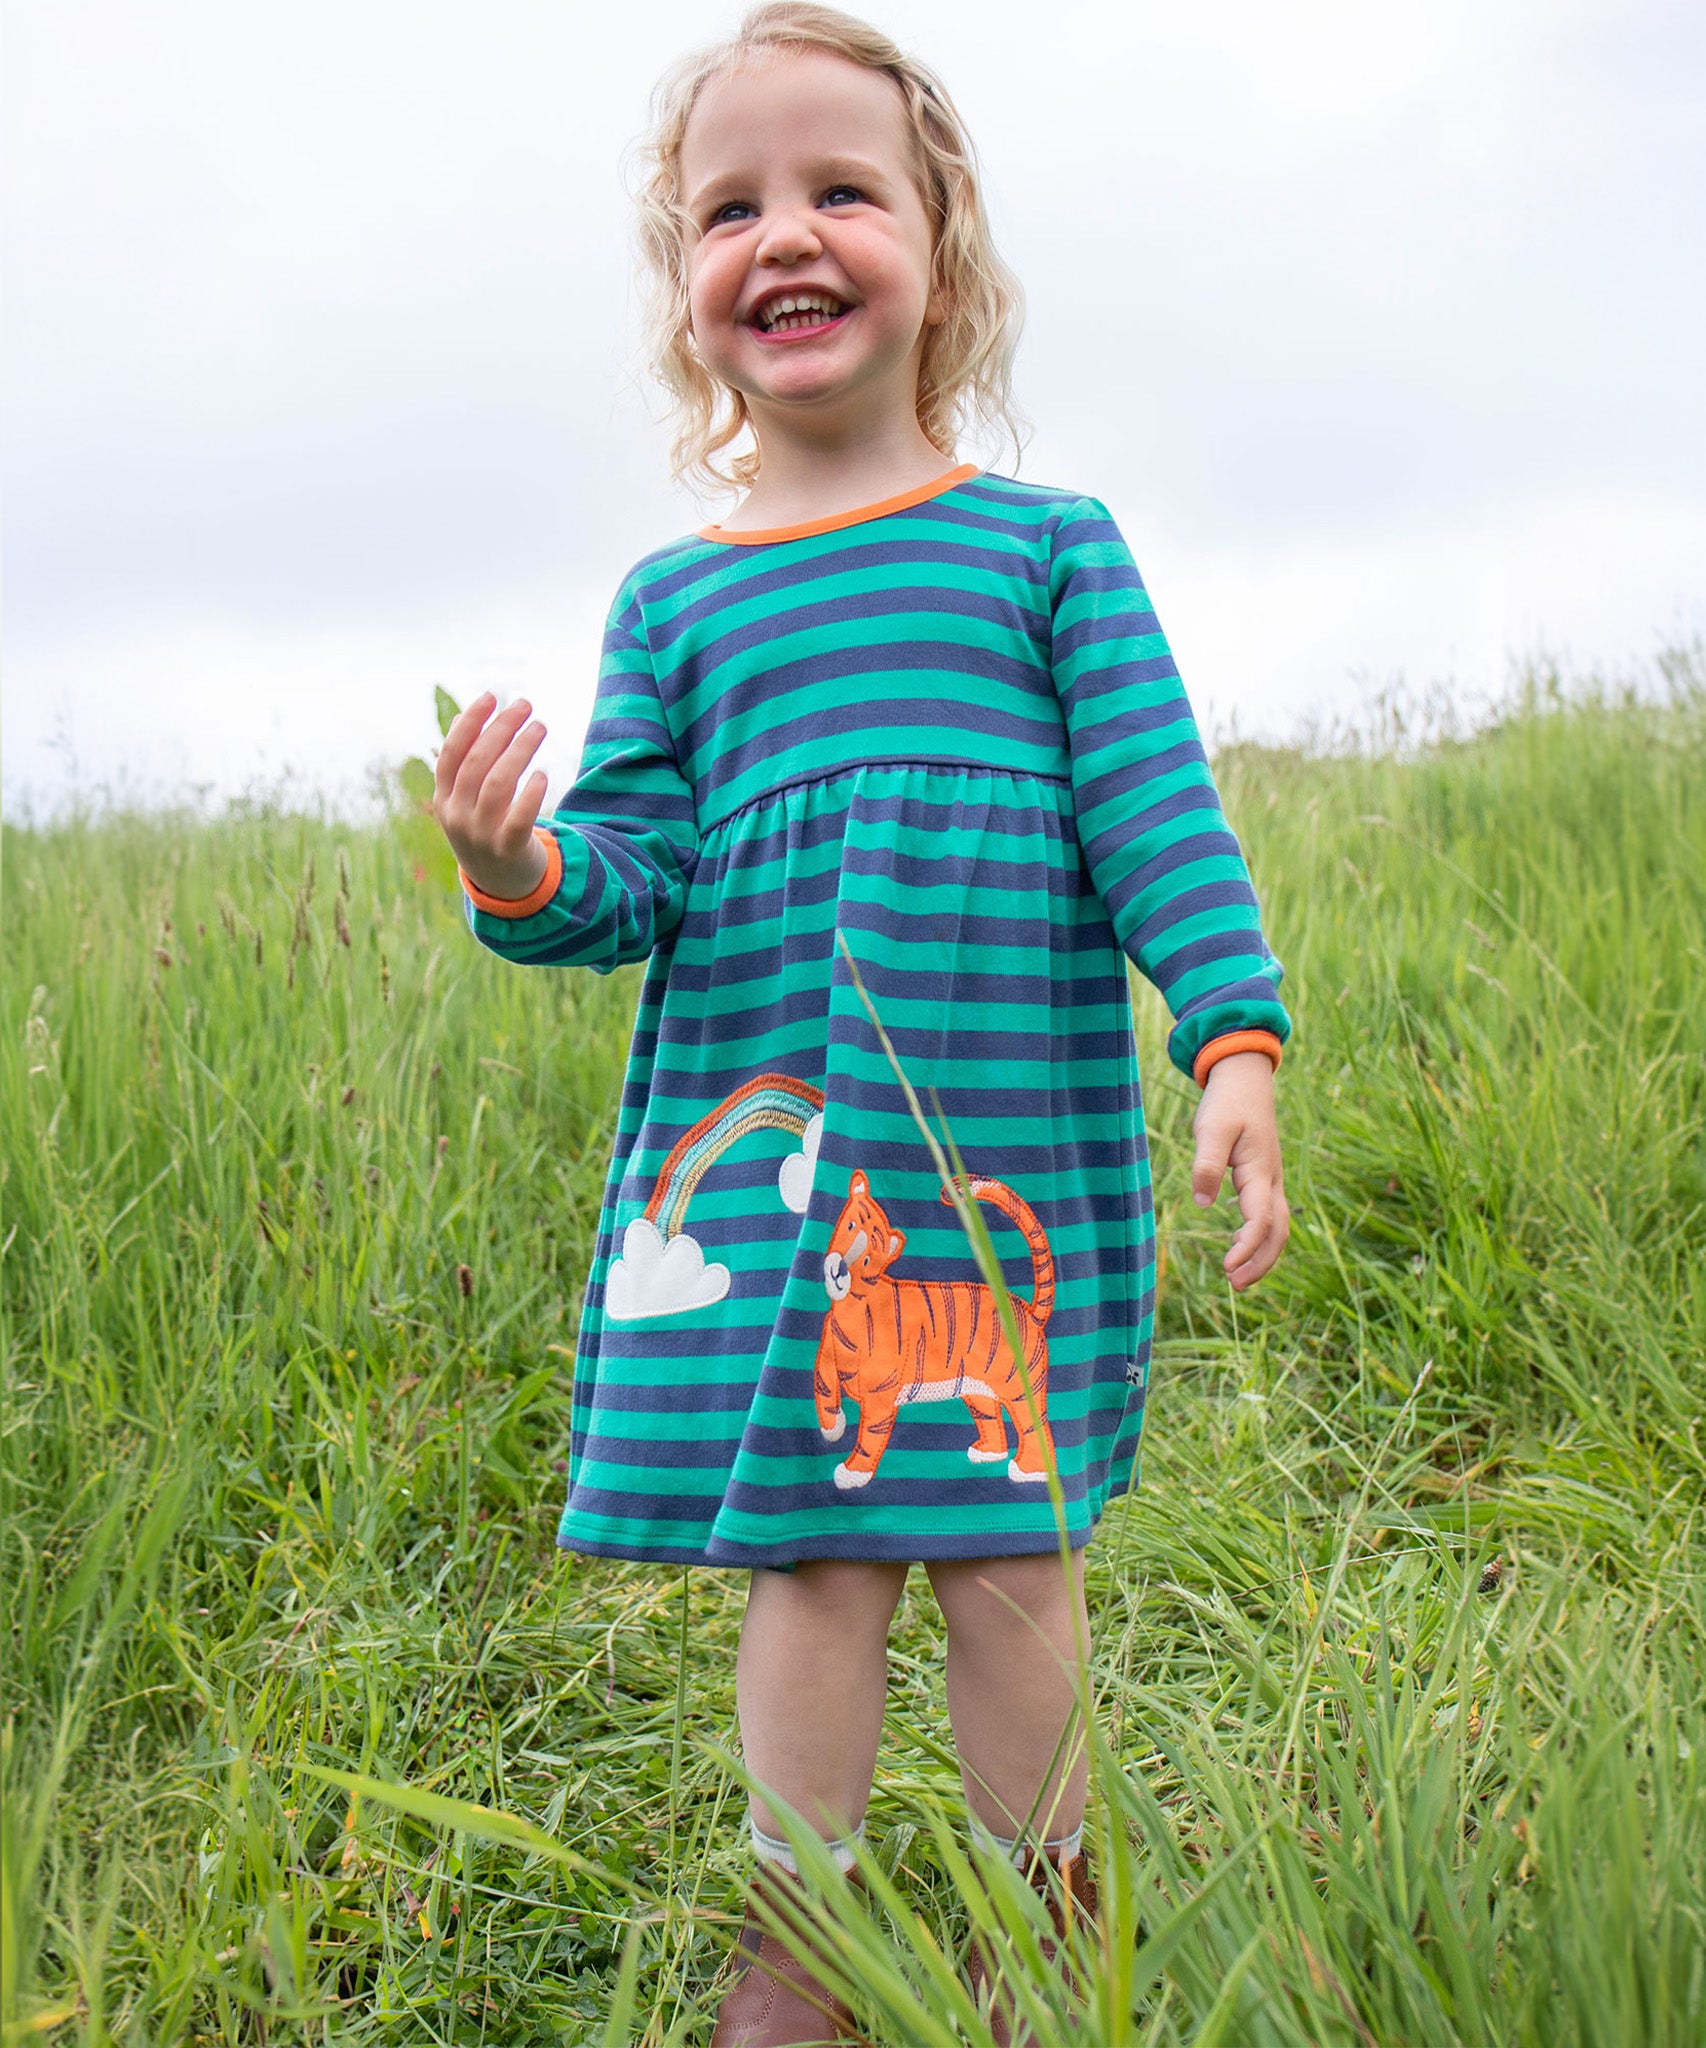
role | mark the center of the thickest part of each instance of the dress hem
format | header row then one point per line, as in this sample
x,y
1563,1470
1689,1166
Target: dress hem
x,y
850,1548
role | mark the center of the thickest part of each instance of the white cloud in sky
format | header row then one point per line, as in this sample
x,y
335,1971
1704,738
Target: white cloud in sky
x,y
1376,328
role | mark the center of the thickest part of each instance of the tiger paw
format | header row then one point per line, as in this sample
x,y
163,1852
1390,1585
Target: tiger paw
x,y
834,1436
979,1456
846,1478
1022,1477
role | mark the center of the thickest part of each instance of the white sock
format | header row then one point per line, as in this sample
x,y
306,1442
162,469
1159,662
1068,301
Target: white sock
x,y
771,1849
1009,1846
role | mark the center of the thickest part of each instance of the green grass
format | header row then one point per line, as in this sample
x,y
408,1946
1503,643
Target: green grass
x,y
1400,1646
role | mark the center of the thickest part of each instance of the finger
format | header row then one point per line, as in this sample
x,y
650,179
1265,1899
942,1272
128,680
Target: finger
x,y
1258,1221
497,798
1258,1177
464,731
1208,1170
524,812
1261,1258
1256,1267
477,764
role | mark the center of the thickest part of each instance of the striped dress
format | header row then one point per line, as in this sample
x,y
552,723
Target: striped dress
x,y
943,735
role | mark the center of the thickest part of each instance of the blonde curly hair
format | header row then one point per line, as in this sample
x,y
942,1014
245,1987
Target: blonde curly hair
x,y
965,376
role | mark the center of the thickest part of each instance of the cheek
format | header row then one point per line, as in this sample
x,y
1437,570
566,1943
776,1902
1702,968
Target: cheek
x,y
713,284
904,272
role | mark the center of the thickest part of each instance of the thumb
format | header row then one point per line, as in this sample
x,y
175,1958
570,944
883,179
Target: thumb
x,y
1214,1148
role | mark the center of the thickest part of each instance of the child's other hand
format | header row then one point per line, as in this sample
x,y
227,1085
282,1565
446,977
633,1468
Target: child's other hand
x,y
489,827
1235,1127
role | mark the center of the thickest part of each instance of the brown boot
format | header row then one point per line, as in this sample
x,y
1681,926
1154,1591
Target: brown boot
x,y
777,2001
1065,1882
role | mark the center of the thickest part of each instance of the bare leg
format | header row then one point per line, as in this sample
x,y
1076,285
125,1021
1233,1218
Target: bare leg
x,y
810,1683
1008,1696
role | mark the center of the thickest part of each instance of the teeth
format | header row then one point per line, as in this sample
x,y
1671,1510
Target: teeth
x,y
781,309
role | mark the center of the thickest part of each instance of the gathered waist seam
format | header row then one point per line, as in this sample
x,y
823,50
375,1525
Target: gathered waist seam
x,y
897,761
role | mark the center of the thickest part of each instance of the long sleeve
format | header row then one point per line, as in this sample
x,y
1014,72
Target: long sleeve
x,y
1155,840
623,842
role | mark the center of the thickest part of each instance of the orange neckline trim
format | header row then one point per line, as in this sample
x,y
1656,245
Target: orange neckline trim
x,y
857,517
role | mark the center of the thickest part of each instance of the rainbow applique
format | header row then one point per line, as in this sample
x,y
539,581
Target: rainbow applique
x,y
662,1270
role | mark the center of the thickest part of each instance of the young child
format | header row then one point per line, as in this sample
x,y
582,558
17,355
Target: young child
x,y
925,710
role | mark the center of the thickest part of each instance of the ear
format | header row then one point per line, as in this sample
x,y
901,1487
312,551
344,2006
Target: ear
x,y
897,1244
858,1185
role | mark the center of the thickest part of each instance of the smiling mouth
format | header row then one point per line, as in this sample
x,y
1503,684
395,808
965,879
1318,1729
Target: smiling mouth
x,y
799,313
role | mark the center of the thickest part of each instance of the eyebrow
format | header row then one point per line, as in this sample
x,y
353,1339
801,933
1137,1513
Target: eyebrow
x,y
827,170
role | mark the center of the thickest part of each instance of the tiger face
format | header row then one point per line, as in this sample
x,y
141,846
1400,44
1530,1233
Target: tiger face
x,y
863,1246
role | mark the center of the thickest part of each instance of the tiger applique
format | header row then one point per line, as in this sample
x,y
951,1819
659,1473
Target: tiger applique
x,y
887,1342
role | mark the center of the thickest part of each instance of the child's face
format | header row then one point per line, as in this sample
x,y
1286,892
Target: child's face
x,y
796,175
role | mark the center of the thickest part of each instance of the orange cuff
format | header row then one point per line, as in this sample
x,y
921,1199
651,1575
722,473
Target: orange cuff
x,y
1230,1042
537,898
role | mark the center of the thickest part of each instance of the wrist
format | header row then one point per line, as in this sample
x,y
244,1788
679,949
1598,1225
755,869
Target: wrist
x,y
516,888
1237,1049
1239,1070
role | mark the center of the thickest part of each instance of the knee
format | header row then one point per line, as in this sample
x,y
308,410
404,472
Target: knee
x,y
842,1594
1007,1601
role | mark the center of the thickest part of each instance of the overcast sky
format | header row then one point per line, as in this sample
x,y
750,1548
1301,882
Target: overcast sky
x,y
1379,328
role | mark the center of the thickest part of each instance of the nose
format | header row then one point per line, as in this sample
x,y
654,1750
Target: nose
x,y
789,237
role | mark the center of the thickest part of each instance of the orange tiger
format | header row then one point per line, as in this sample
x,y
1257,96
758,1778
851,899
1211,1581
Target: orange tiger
x,y
886,1342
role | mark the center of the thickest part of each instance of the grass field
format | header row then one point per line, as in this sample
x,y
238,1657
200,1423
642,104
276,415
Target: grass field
x,y
1401,1646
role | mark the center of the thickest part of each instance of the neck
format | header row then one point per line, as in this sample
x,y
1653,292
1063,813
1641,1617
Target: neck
x,y
812,469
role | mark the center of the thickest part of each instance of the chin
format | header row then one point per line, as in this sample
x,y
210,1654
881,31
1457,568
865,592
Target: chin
x,y
801,384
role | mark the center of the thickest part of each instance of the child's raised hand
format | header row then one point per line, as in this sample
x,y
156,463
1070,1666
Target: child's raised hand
x,y
489,827
1235,1127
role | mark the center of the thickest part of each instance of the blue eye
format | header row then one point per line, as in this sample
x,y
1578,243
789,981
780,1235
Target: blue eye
x,y
728,207
843,192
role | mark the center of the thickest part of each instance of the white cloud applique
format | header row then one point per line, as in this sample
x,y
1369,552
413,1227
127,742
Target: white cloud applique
x,y
795,1178
655,1277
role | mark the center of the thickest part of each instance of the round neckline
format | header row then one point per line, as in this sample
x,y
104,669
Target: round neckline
x,y
804,528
